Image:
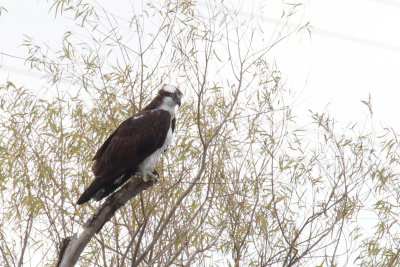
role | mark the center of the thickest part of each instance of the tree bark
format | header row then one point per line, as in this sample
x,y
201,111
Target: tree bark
x,y
72,247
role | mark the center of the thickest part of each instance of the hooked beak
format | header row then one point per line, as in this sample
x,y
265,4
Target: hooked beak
x,y
177,101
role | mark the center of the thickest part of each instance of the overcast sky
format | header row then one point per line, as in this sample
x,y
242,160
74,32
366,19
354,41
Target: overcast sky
x,y
353,51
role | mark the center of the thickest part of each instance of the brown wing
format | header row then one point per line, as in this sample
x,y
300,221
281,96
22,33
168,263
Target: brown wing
x,y
134,140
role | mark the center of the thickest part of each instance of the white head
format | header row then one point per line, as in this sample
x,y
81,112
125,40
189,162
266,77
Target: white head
x,y
171,97
169,88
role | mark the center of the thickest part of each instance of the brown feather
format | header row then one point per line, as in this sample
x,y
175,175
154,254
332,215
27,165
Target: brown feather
x,y
133,141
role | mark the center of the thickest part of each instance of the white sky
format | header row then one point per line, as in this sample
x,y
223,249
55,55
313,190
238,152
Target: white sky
x,y
354,50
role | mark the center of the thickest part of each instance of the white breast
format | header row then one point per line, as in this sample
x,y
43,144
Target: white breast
x,y
149,163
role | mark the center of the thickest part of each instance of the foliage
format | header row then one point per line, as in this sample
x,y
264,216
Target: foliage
x,y
271,191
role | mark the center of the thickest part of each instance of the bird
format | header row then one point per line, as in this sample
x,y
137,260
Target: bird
x,y
135,146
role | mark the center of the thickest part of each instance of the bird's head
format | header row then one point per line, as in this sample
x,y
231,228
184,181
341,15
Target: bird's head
x,y
171,95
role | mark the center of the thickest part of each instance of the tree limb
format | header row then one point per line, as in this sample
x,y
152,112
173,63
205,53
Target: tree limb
x,y
72,247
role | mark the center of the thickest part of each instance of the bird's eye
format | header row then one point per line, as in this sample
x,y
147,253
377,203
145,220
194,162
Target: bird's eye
x,y
173,95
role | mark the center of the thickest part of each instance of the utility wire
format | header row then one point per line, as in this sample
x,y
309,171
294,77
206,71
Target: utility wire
x,y
355,39
387,2
21,71
328,33
316,30
13,56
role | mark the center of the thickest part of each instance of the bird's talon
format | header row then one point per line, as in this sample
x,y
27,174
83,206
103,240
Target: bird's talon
x,y
145,175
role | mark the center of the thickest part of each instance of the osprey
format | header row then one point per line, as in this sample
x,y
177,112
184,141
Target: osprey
x,y
135,146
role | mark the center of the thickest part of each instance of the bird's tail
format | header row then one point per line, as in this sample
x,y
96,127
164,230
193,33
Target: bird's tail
x,y
94,188
101,187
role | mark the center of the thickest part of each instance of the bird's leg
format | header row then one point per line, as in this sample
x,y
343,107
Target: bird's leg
x,y
144,174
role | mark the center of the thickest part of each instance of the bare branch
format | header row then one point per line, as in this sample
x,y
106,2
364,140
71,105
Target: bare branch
x,y
72,247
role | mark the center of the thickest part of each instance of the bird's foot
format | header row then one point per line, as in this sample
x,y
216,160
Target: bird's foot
x,y
145,174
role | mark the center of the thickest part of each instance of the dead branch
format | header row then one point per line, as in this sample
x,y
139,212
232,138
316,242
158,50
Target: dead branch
x,y
72,247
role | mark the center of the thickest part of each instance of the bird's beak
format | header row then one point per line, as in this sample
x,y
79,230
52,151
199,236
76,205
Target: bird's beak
x,y
177,101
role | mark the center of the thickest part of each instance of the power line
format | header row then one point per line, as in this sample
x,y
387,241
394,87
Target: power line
x,y
316,30
387,2
13,56
20,71
329,33
355,39
270,20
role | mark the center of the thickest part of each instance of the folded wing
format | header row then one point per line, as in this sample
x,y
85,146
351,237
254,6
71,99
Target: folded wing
x,y
131,143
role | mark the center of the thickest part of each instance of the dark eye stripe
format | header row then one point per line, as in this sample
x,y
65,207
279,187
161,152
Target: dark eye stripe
x,y
170,94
